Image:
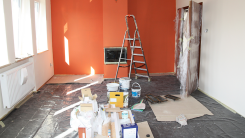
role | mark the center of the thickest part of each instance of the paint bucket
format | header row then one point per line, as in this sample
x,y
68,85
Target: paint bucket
x,y
136,92
112,87
124,83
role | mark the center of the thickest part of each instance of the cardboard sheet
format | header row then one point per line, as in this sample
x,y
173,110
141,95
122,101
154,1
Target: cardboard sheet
x,y
100,136
86,93
144,129
168,111
85,107
117,109
77,79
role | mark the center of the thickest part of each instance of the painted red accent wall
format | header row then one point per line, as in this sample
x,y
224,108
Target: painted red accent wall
x,y
84,21
91,26
155,19
114,28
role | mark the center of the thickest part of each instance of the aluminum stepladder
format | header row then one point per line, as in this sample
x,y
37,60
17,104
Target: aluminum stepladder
x,y
132,47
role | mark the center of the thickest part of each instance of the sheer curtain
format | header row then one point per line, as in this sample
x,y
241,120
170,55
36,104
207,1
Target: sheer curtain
x,y
3,46
22,28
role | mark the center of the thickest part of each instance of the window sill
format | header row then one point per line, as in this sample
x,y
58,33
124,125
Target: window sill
x,y
3,66
42,52
16,61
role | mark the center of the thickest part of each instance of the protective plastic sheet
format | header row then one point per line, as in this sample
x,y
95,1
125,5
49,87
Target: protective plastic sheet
x,y
36,117
178,38
187,47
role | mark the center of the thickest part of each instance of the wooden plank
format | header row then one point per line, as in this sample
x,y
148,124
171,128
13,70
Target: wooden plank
x,y
86,107
117,109
86,93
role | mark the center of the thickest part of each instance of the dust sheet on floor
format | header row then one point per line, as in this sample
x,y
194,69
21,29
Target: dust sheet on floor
x,y
76,79
168,111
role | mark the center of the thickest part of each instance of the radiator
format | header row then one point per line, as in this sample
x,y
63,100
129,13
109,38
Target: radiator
x,y
16,84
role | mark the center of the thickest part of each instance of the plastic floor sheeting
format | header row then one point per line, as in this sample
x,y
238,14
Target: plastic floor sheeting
x,y
35,117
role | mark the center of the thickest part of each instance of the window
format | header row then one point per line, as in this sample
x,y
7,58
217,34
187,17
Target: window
x,y
3,46
40,25
37,23
22,28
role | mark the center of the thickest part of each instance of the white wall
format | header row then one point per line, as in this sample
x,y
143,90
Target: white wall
x,y
222,69
42,61
42,69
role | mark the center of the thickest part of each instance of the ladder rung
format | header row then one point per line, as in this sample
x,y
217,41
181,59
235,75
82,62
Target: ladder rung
x,y
125,59
131,38
136,46
138,54
142,75
139,62
140,69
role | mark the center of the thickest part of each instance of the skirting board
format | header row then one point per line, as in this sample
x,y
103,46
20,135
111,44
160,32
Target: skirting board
x,y
156,74
43,84
151,74
227,107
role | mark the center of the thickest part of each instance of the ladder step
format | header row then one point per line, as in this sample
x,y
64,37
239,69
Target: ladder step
x,y
139,62
141,69
142,75
138,54
125,59
135,46
131,38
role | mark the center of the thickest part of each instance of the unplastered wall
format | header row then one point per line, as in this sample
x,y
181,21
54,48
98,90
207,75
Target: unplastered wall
x,y
222,51
42,69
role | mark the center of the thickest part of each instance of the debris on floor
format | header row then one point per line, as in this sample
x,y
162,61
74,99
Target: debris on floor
x,y
2,124
155,99
181,119
172,97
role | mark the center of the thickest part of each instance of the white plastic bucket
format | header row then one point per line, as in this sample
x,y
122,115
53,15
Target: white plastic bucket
x,y
112,87
136,92
124,83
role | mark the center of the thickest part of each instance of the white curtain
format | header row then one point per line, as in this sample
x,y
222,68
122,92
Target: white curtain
x,y
3,46
22,28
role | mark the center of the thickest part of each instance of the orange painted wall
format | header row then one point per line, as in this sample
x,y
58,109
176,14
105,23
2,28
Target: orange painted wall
x,y
84,32
114,28
155,19
91,26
